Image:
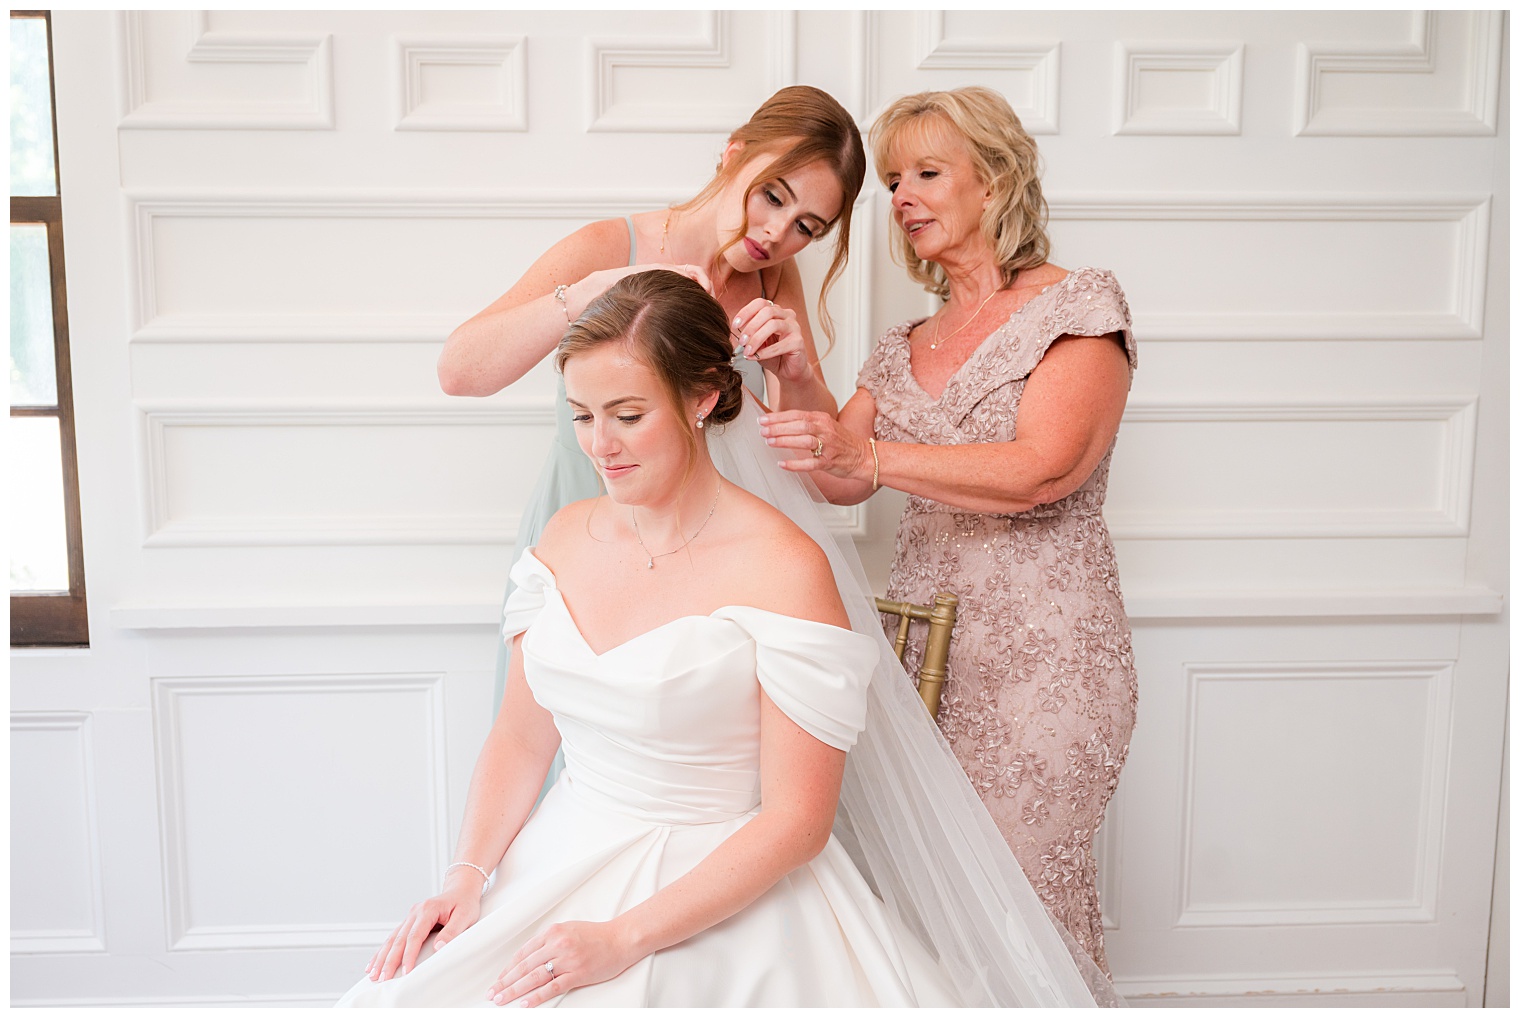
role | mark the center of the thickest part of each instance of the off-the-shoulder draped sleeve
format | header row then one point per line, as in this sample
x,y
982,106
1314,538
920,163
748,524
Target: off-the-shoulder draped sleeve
x,y
816,673
530,579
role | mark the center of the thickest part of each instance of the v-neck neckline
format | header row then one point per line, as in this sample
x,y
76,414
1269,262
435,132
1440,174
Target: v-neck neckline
x,y
976,352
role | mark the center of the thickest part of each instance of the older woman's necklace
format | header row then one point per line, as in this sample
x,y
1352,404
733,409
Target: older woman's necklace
x,y
684,543
936,341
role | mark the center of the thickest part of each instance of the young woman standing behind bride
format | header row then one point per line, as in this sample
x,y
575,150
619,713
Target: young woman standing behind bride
x,y
787,177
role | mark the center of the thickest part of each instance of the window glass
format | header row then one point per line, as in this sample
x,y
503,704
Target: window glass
x,y
34,382
32,171
39,543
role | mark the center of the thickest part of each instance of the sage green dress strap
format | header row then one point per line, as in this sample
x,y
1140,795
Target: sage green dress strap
x,y
568,476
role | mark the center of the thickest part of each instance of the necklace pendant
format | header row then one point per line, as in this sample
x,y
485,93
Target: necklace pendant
x,y
651,564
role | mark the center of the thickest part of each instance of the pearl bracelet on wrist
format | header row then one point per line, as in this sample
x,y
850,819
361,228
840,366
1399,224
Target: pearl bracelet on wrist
x,y
479,869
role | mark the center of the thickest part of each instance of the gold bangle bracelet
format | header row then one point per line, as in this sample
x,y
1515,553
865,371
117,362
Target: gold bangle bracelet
x,y
875,467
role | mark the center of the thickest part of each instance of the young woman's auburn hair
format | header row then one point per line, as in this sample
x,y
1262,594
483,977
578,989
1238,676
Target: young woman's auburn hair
x,y
804,125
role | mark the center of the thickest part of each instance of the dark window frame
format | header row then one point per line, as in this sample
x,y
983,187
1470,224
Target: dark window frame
x,y
54,619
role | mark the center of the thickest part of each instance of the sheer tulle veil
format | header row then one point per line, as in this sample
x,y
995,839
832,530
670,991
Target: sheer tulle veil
x,y
907,813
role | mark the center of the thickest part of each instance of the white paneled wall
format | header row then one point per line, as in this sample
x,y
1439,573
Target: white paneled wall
x,y
296,544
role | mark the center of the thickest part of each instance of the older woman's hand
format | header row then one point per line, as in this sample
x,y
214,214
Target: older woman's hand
x,y
828,445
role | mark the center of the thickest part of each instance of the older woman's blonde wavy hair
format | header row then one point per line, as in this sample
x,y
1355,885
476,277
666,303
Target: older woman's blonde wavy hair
x,y
1005,158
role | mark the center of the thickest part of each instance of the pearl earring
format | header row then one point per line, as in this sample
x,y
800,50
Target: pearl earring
x,y
699,419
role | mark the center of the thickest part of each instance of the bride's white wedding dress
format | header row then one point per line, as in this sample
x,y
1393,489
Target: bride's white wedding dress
x,y
661,739
661,742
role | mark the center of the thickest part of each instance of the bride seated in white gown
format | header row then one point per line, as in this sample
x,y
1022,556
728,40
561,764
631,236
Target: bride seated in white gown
x,y
686,644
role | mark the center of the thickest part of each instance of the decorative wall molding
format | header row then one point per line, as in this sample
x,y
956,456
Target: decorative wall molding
x,y
1142,605
160,529
1109,850
312,53
146,208
504,56
936,51
1421,905
220,1000
1477,114
1459,420
1352,989
710,49
1464,320
1222,62
90,939
185,934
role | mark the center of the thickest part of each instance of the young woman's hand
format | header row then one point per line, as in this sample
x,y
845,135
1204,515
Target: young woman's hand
x,y
564,956
455,908
578,295
771,334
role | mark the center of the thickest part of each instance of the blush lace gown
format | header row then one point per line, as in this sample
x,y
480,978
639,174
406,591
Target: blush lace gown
x,y
661,741
1041,695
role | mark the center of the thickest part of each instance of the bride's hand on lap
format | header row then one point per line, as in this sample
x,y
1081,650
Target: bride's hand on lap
x,y
771,334
827,446
578,953
455,908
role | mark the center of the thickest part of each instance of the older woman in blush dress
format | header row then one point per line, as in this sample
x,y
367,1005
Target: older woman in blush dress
x,y
997,415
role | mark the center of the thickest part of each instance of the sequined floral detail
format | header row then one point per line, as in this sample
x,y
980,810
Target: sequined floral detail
x,y
1041,696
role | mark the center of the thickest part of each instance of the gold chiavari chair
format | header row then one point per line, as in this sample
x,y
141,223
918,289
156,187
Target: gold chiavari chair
x,y
941,620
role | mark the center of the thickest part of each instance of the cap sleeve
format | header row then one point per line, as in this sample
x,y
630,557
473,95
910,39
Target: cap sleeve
x,y
530,580
877,369
816,673
1088,302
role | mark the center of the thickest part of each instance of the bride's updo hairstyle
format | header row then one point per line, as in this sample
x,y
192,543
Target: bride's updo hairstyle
x,y
675,327
799,125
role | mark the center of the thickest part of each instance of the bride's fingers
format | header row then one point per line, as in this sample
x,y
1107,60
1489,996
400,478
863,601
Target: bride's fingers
x,y
525,974
373,968
394,951
553,988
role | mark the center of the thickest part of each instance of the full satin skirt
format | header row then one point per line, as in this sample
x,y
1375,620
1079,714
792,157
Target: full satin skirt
x,y
819,937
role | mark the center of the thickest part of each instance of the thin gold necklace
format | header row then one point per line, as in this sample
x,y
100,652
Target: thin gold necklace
x,y
934,343
684,543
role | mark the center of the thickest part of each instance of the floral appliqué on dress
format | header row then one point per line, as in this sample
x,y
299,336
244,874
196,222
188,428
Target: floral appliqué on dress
x,y
1041,696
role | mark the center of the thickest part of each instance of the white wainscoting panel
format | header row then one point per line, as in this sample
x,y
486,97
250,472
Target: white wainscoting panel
x,y
326,265
258,776
179,73
707,77
56,903
1178,88
1315,793
912,52
1386,267
461,83
1443,81
1326,470
367,475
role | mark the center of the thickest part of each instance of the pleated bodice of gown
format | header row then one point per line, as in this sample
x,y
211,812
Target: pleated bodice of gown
x,y
661,743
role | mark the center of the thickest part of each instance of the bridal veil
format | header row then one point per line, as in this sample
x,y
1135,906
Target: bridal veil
x,y
908,816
